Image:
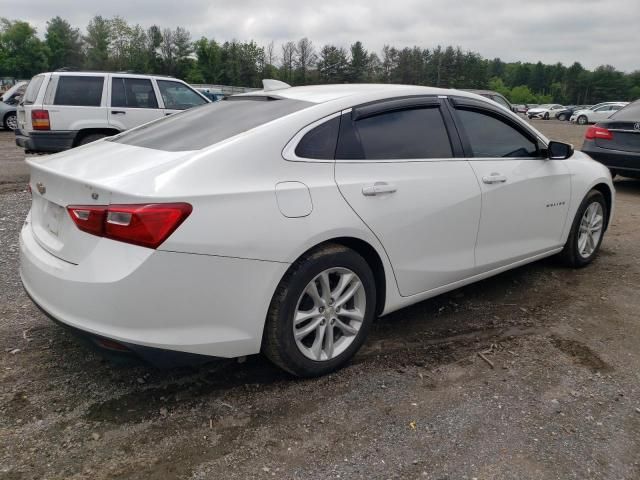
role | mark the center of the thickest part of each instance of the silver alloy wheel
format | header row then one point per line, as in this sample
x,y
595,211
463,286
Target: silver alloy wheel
x,y
12,122
329,314
590,231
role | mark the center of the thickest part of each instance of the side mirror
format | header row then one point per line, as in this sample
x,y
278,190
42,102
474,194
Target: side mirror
x,y
559,150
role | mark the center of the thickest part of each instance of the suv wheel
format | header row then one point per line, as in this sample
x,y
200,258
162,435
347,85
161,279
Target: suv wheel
x,y
92,137
321,312
10,121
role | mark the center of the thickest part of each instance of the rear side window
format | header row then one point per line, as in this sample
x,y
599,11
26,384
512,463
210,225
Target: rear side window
x,y
177,96
133,93
79,91
32,90
320,143
490,137
417,133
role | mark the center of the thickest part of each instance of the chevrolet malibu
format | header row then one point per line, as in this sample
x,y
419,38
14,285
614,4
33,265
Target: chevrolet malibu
x,y
285,220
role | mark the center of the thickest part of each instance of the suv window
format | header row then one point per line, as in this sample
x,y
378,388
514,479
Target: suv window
x,y
32,89
79,91
178,96
491,137
399,134
320,143
133,93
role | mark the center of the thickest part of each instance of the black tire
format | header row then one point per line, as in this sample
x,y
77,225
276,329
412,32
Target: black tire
x,y
613,173
570,254
10,121
92,137
278,342
582,120
562,117
546,116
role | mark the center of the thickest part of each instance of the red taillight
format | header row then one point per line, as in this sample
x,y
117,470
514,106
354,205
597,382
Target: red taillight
x,y
146,225
40,120
600,133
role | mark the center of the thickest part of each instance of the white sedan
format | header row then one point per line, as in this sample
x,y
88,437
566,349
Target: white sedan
x,y
545,112
597,113
284,221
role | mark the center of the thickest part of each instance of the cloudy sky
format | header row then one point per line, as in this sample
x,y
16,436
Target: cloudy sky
x,y
592,32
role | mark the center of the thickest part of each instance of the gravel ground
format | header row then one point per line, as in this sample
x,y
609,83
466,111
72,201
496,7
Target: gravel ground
x,y
560,398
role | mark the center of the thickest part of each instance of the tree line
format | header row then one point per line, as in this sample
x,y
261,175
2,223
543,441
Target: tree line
x,y
114,44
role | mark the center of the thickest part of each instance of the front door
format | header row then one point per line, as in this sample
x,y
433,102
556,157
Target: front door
x,y
525,198
395,168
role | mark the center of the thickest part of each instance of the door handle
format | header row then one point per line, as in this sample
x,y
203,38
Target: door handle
x,y
118,112
378,188
494,178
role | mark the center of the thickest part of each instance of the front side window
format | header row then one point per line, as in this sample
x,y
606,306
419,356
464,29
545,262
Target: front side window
x,y
79,91
490,137
606,108
133,93
501,101
417,133
177,96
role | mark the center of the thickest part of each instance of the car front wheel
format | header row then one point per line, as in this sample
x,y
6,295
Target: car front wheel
x,y
321,312
10,121
562,117
587,231
582,120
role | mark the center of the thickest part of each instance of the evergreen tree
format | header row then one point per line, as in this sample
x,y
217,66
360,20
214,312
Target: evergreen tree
x,y
64,44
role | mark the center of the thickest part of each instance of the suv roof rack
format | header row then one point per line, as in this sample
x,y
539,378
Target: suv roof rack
x,y
129,72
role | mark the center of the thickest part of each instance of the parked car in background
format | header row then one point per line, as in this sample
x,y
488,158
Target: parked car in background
x,y
61,110
495,96
615,142
596,113
521,108
286,226
211,94
565,115
545,111
8,105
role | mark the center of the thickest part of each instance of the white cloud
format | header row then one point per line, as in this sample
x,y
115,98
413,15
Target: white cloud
x,y
592,32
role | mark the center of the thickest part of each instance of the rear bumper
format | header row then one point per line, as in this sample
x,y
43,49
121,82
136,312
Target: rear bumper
x,y
621,161
45,142
153,300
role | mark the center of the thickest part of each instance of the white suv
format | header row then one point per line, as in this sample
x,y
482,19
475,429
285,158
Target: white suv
x,y
61,110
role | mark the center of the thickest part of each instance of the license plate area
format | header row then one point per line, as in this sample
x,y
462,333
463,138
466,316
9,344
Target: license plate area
x,y
52,217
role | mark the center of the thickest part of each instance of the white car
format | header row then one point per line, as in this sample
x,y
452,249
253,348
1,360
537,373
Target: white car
x,y
61,110
545,112
283,221
596,113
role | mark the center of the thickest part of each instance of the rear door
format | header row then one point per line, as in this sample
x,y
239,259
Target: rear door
x,y
176,96
396,167
602,113
525,196
133,102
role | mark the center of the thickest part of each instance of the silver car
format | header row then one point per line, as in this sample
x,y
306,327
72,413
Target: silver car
x,y
8,104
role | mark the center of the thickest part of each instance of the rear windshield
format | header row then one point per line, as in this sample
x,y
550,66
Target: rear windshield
x,y
630,113
208,124
32,90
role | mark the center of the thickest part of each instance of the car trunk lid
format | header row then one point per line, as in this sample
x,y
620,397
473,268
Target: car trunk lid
x,y
88,175
626,137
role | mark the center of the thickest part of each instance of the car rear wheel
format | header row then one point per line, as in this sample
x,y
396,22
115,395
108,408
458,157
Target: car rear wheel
x,y
321,312
582,120
10,121
587,231
546,116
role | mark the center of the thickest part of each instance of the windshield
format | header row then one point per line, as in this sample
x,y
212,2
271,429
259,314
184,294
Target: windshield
x,y
630,113
209,124
7,95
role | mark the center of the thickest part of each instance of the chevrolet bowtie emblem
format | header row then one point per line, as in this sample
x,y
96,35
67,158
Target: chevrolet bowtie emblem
x,y
41,188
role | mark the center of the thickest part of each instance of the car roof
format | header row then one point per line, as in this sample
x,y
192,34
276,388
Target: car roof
x,y
327,93
93,73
